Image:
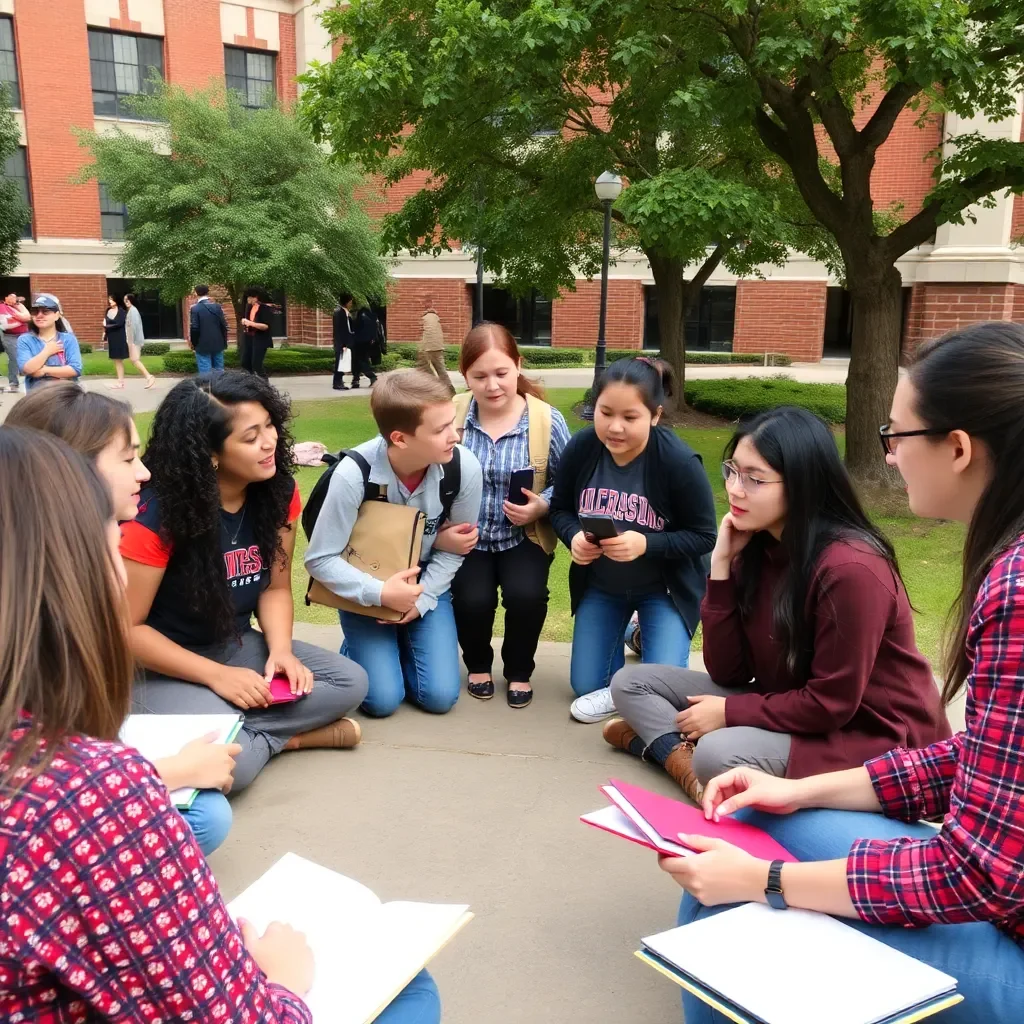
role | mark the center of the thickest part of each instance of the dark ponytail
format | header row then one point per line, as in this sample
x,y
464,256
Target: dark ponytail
x,y
653,379
973,380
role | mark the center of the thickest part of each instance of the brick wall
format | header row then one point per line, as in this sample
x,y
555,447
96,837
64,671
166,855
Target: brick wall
x,y
193,49
308,326
57,96
287,90
82,296
574,315
452,300
780,316
1017,224
937,308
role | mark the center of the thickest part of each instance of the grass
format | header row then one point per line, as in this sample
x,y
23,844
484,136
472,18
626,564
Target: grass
x,y
929,552
98,364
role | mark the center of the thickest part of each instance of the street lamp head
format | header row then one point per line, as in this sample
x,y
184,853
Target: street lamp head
x,y
608,186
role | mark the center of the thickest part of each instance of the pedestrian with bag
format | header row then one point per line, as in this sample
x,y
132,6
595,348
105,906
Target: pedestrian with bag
x,y
257,338
341,336
431,352
364,336
208,331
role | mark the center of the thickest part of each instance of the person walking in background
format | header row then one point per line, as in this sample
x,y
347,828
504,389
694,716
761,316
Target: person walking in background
x,y
257,338
342,335
14,321
364,334
207,331
431,354
136,338
115,333
48,349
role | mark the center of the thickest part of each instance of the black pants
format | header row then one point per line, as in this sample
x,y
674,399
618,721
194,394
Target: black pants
x,y
361,365
339,378
522,574
254,351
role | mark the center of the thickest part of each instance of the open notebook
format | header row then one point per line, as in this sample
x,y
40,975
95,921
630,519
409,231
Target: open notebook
x,y
159,736
756,965
365,951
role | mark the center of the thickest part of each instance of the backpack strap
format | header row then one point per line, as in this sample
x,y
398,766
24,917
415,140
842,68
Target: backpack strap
x,y
462,401
451,482
371,492
539,427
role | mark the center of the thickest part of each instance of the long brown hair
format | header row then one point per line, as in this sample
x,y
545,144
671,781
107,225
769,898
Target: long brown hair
x,y
487,335
86,420
65,657
973,380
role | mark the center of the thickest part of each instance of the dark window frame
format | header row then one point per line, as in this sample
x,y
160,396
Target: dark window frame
x,y
161,321
21,175
109,210
707,329
242,83
14,84
103,81
527,317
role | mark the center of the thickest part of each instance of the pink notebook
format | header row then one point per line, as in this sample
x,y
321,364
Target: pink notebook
x,y
668,817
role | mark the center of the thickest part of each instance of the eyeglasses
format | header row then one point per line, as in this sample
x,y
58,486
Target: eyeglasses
x,y
730,471
887,435
35,310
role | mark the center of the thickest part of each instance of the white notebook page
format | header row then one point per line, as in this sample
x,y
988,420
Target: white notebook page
x,y
798,967
365,952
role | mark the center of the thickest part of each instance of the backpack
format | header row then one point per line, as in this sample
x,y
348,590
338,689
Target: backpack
x,y
380,341
448,489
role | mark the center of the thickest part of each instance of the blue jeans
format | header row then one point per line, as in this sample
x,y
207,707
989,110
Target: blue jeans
x,y
418,662
988,965
209,817
205,363
597,636
417,1003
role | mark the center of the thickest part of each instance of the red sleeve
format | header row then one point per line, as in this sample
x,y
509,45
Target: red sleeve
x,y
140,544
295,508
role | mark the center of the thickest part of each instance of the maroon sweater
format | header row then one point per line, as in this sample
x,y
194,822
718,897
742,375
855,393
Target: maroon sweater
x,y
869,688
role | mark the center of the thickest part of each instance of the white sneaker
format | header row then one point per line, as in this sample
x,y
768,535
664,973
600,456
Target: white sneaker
x,y
593,707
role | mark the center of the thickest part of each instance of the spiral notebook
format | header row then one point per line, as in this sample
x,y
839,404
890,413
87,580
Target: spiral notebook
x,y
756,965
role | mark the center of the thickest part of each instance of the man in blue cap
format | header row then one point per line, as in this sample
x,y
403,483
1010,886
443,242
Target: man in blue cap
x,y
48,351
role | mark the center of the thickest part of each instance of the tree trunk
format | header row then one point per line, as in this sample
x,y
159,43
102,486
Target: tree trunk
x,y
237,297
877,297
674,298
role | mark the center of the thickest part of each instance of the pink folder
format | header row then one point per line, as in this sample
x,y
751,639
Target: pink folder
x,y
669,817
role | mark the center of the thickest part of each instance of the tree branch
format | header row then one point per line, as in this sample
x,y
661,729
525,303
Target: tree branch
x,y
881,122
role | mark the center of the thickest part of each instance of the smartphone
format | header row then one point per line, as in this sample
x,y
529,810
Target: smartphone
x,y
281,690
598,527
519,479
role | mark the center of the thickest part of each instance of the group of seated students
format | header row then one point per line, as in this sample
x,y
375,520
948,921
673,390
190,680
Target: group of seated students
x,y
816,707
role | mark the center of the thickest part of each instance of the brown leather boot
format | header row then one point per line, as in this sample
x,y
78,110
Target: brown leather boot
x,y
679,765
339,735
618,733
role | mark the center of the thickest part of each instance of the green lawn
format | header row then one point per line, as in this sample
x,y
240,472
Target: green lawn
x,y
929,552
98,364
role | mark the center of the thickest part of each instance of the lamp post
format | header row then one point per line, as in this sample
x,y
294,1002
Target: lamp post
x,y
608,186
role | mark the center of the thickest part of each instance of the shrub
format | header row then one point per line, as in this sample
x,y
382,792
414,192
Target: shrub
x,y
391,361
535,358
85,348
156,348
180,362
281,361
734,398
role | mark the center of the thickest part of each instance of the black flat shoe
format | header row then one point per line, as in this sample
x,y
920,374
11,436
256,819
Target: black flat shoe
x,y
519,698
483,690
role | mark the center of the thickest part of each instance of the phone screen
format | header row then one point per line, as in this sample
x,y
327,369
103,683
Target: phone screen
x,y
519,479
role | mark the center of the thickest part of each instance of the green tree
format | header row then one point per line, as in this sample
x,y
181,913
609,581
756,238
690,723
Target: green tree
x,y
799,71
515,108
236,197
14,213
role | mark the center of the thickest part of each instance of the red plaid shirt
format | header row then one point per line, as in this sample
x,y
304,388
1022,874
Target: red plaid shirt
x,y
108,911
973,870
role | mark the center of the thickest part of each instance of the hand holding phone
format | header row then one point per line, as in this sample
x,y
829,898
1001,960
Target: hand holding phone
x,y
598,527
520,480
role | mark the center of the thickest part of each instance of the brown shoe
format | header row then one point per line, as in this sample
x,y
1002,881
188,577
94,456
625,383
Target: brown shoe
x,y
679,765
340,735
618,733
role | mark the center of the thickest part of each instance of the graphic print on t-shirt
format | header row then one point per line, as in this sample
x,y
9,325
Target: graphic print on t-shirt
x,y
623,506
243,566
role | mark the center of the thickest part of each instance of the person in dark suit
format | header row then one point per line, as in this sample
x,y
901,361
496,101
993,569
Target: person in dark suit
x,y
207,331
342,335
364,333
258,337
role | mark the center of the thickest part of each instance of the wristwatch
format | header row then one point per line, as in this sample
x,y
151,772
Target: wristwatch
x,y
773,892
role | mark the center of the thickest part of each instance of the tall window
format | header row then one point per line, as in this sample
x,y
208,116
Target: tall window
x,y
8,63
709,325
122,66
16,167
251,73
113,216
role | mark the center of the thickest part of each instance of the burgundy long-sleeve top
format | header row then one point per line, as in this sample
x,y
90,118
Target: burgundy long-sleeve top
x,y
868,690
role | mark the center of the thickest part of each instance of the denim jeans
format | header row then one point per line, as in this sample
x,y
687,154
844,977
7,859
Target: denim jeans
x,y
988,965
597,636
209,817
205,362
418,662
418,1003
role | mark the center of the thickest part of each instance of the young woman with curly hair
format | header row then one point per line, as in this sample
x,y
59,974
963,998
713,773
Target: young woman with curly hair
x,y
211,547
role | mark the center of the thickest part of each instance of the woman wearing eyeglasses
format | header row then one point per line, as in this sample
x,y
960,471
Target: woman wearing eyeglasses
x,y
808,632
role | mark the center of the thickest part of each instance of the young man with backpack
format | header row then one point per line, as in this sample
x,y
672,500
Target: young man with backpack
x,y
415,461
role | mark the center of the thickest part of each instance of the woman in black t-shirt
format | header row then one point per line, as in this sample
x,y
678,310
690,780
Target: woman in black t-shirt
x,y
257,325
211,547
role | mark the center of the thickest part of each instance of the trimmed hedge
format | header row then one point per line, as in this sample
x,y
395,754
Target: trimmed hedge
x,y
85,348
282,361
156,348
735,398
699,358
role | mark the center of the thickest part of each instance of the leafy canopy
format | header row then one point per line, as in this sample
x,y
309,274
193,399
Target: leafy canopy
x,y
14,213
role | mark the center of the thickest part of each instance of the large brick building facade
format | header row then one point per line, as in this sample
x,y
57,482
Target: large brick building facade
x,y
968,272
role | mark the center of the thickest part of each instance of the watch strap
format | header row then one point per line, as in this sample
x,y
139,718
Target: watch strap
x,y
773,891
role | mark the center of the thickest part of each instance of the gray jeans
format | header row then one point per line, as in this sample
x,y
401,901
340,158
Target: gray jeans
x,y
339,687
11,348
650,696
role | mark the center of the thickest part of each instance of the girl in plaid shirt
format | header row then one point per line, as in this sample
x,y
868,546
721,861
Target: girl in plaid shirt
x,y
955,434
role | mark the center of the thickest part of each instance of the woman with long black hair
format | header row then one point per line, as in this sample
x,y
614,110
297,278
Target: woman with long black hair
x,y
808,631
257,337
211,547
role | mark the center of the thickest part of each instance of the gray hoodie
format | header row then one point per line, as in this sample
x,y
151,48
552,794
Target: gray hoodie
x,y
341,506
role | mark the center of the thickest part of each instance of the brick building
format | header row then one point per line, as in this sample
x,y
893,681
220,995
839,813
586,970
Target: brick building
x,y
968,272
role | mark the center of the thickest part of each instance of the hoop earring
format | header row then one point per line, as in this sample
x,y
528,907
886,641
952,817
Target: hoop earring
x,y
216,465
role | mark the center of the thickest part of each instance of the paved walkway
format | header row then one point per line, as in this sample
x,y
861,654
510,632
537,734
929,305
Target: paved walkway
x,y
319,387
